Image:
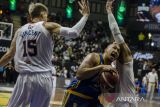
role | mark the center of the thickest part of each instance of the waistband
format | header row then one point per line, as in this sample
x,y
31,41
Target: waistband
x,y
79,95
152,82
32,73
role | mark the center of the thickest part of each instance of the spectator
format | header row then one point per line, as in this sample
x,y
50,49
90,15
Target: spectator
x,y
152,79
144,85
141,39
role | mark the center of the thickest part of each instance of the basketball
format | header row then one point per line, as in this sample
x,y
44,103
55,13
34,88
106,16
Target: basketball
x,y
108,80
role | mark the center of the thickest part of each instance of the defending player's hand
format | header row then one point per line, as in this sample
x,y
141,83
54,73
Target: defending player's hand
x,y
84,7
108,68
109,5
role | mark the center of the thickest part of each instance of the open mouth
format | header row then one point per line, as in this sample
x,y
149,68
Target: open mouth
x,y
113,55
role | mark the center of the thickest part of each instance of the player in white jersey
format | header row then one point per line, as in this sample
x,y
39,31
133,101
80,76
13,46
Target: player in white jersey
x,y
32,49
126,88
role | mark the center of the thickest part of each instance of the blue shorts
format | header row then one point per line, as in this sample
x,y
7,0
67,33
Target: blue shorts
x,y
71,100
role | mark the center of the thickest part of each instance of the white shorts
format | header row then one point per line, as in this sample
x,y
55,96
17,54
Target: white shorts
x,y
54,87
34,89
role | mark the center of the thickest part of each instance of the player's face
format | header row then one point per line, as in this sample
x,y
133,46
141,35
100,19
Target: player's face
x,y
113,51
153,70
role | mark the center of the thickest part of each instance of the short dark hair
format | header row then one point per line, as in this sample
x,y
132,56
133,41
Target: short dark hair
x,y
109,45
36,9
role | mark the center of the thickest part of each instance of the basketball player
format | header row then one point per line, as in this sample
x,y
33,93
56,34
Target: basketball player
x,y
32,49
124,64
85,88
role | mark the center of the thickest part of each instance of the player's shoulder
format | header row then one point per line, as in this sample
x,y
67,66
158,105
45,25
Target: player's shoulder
x,y
18,30
51,25
25,25
156,74
94,57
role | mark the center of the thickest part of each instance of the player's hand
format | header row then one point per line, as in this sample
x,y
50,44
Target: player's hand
x,y
108,68
84,7
109,5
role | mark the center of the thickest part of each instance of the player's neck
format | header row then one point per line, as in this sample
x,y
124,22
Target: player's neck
x,y
35,20
106,59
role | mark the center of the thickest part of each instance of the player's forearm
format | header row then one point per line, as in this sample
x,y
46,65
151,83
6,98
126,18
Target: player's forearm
x,y
6,58
80,24
75,30
126,53
85,73
115,29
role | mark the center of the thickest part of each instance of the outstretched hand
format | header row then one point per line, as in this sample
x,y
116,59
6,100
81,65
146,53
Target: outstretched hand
x,y
109,5
84,7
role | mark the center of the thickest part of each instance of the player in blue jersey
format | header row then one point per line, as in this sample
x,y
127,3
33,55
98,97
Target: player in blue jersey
x,y
85,89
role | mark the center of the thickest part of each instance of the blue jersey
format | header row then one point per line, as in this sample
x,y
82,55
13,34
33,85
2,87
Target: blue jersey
x,y
89,87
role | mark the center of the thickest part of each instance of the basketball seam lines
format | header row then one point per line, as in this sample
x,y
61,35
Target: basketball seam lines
x,y
107,80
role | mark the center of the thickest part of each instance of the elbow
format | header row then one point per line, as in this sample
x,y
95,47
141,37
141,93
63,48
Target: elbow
x,y
74,34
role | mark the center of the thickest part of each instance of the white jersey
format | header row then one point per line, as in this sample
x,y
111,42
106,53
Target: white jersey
x,y
126,78
34,48
126,86
152,77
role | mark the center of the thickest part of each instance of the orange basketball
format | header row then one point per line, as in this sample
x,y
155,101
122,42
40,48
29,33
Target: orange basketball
x,y
108,80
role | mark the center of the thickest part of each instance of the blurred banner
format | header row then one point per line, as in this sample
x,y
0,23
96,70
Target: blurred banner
x,y
6,31
4,46
148,26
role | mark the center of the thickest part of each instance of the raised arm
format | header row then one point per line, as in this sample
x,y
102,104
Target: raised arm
x,y
125,54
76,29
11,52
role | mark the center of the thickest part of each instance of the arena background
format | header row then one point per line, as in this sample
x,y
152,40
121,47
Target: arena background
x,y
137,20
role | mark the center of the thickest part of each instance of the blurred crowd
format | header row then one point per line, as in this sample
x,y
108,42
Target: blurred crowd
x,y
68,54
147,74
5,16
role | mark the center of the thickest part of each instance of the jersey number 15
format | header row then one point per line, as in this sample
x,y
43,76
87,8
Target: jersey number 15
x,y
30,48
